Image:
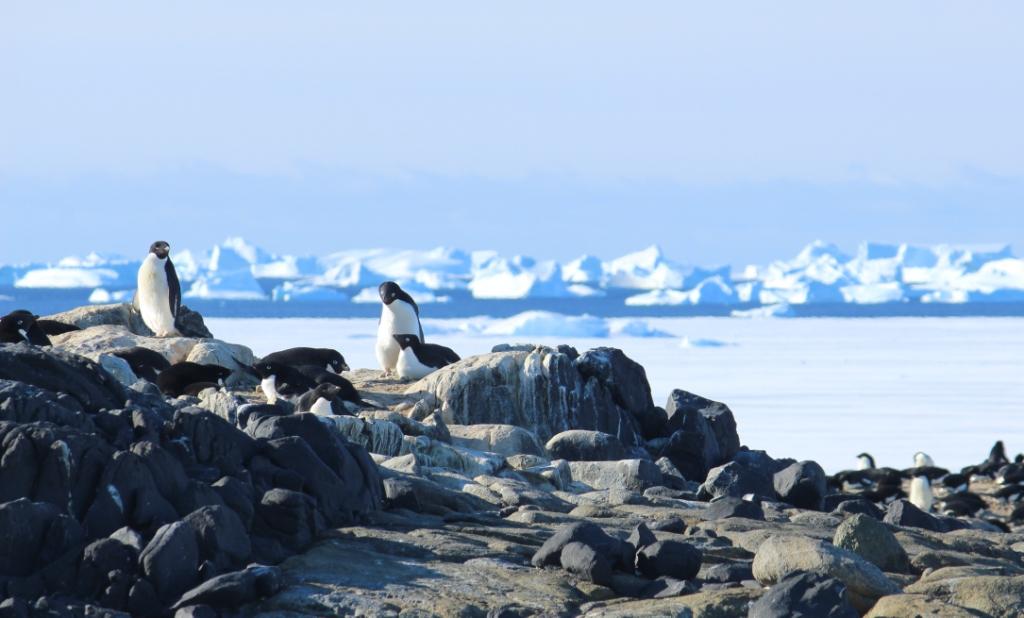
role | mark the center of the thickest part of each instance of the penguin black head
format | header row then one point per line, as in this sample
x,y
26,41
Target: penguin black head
x,y
389,292
337,362
265,369
326,390
20,318
407,341
160,249
218,372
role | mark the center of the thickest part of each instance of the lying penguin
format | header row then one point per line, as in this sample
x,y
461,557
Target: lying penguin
x,y
145,363
187,378
323,400
278,381
417,359
22,325
324,358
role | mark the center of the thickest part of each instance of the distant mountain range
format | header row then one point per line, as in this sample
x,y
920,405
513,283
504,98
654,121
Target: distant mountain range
x,y
820,274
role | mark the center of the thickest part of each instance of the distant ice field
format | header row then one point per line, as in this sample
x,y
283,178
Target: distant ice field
x,y
824,389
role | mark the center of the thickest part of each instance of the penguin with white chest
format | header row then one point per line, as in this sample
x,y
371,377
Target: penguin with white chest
x,y
159,292
417,359
920,485
399,316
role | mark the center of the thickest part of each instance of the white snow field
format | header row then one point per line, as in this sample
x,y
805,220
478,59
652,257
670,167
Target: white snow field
x,y
823,389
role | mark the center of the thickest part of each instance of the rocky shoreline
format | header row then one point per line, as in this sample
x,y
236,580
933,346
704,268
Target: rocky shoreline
x,y
530,481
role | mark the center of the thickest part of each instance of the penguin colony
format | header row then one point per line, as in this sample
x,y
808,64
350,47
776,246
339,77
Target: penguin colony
x,y
310,380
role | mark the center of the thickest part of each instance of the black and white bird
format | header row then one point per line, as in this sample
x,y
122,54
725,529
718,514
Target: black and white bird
x,y
325,358
158,296
145,363
190,378
346,390
400,315
920,485
22,325
323,400
417,359
278,381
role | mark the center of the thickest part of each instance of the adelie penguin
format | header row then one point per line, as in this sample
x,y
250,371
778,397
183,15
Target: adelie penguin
x,y
417,359
190,378
399,316
278,380
145,363
21,325
324,358
159,293
323,400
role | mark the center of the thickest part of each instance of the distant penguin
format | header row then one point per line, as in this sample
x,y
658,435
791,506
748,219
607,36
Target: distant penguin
x,y
920,487
865,462
324,358
278,380
416,359
21,325
159,292
399,316
177,379
323,400
145,363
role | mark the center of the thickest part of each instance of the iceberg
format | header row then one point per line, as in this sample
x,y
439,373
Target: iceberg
x,y
519,277
289,291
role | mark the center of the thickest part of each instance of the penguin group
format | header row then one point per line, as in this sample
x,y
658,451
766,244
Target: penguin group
x,y
992,490
303,379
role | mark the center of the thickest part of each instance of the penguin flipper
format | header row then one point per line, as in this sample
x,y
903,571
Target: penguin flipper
x,y
173,288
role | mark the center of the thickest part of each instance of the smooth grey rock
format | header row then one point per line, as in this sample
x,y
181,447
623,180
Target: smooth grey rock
x,y
585,445
873,541
729,507
584,561
118,367
782,555
737,480
635,474
170,560
903,513
669,558
496,438
589,534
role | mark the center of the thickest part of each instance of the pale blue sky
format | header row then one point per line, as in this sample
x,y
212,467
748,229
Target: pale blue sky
x,y
726,133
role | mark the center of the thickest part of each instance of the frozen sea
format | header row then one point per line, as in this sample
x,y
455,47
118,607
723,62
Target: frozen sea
x,y
822,388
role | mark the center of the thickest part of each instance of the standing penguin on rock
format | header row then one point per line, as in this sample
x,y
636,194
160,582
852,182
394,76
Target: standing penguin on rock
x,y
159,293
399,316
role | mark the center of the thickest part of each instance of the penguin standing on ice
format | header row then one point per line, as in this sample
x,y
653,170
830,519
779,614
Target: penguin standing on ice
x,y
159,293
417,359
399,316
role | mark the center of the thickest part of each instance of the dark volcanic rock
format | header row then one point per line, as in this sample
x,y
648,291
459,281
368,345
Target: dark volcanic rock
x,y
171,559
233,590
290,517
550,553
804,595
213,440
585,445
221,536
584,561
703,434
802,484
718,416
625,378
852,506
670,558
59,372
903,513
23,527
24,403
724,508
737,480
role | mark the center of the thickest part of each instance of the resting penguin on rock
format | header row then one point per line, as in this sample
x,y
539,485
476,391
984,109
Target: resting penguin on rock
x,y
190,378
324,358
22,325
145,363
346,391
323,400
158,297
278,380
417,359
399,316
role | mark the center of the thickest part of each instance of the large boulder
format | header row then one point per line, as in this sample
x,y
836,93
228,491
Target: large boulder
x,y
702,434
23,528
904,513
232,590
718,415
625,378
586,533
585,445
541,389
802,484
634,474
804,595
669,558
873,541
60,372
737,480
501,439
126,315
171,559
783,555
584,561
24,403
1002,597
